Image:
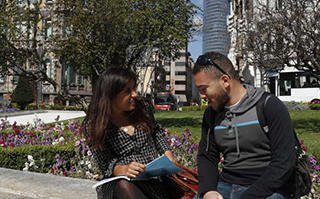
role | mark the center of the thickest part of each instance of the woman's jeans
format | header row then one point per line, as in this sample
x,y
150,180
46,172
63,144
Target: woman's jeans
x,y
234,191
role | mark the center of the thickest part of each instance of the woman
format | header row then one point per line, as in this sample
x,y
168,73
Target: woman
x,y
124,136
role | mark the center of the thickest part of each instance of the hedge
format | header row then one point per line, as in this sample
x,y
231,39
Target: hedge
x,y
194,108
16,157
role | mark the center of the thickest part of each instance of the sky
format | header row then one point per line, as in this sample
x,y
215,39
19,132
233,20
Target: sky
x,y
195,46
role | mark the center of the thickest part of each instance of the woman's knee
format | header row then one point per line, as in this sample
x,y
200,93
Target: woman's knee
x,y
123,185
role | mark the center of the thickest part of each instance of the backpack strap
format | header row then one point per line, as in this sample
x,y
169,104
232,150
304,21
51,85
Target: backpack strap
x,y
263,122
260,111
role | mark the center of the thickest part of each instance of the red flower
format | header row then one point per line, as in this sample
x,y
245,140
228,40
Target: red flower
x,y
2,143
301,142
11,144
65,173
187,130
305,148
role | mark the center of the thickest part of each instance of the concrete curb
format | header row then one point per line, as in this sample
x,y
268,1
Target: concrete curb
x,y
22,113
15,184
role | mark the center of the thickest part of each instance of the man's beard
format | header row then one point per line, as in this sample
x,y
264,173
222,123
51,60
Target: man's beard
x,y
222,99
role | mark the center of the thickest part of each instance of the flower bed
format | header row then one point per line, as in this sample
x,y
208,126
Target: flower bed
x,y
60,149
9,110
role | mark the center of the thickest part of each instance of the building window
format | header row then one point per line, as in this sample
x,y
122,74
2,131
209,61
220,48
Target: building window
x,y
183,54
46,98
180,63
48,65
180,73
167,72
3,79
180,82
48,27
177,92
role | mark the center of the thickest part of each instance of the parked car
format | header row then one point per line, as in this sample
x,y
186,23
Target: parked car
x,y
165,101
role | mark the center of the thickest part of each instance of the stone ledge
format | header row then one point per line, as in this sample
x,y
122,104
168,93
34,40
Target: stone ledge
x,y
16,184
3,115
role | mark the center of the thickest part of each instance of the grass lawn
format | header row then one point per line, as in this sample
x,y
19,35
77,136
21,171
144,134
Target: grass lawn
x,y
306,123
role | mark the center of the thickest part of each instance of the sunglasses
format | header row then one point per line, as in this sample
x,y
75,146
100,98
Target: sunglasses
x,y
204,60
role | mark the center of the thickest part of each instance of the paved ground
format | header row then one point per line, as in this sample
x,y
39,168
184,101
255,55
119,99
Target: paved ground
x,y
48,116
16,184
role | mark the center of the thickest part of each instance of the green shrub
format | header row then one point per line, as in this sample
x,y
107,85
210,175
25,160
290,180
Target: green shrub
x,y
292,105
44,156
14,105
23,94
53,107
4,103
194,108
314,106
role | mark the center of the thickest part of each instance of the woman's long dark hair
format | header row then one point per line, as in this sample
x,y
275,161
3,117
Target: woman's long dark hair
x,y
109,84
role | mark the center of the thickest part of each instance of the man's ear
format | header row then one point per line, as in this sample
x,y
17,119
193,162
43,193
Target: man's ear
x,y
225,81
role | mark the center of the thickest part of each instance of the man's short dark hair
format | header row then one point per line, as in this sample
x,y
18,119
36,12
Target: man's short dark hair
x,y
222,61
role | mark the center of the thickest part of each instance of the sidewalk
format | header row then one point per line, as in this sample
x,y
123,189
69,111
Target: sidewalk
x,y
16,184
47,116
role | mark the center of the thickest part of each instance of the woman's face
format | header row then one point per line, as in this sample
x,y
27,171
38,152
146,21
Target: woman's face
x,y
125,100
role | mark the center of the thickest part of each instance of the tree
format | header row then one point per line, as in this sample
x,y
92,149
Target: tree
x,y
285,33
23,93
102,33
21,38
91,35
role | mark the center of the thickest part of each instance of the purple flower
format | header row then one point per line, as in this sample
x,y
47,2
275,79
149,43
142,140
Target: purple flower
x,y
59,162
317,167
189,133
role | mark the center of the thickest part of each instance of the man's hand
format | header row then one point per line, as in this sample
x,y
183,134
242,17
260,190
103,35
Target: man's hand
x,y
212,195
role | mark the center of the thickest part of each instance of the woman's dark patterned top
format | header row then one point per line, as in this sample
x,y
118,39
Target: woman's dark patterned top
x,y
122,149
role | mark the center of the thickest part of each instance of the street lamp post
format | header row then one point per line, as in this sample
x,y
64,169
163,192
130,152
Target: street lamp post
x,y
39,86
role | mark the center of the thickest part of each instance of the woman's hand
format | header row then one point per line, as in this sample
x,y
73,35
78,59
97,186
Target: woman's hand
x,y
169,154
134,169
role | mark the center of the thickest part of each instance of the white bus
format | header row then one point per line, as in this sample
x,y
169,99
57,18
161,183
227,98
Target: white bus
x,y
294,85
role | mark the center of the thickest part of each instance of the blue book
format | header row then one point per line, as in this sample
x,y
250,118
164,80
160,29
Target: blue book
x,y
159,167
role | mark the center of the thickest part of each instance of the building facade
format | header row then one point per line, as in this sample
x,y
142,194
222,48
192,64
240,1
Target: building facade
x,y
67,78
215,36
173,77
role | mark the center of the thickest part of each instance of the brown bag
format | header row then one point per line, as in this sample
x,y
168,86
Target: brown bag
x,y
182,185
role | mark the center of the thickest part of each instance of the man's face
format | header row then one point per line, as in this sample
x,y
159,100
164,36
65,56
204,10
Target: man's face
x,y
211,90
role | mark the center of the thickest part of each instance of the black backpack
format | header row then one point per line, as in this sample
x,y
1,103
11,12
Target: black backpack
x,y
301,175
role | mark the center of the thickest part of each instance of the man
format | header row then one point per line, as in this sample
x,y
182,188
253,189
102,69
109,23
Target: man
x,y
256,164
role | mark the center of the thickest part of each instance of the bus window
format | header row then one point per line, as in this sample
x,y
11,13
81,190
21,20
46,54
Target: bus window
x,y
285,87
314,82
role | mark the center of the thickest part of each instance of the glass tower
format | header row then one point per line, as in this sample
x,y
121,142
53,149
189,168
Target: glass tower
x,y
215,37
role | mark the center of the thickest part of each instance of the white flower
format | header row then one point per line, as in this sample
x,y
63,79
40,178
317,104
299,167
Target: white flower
x,y
77,143
26,168
61,139
87,162
30,158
